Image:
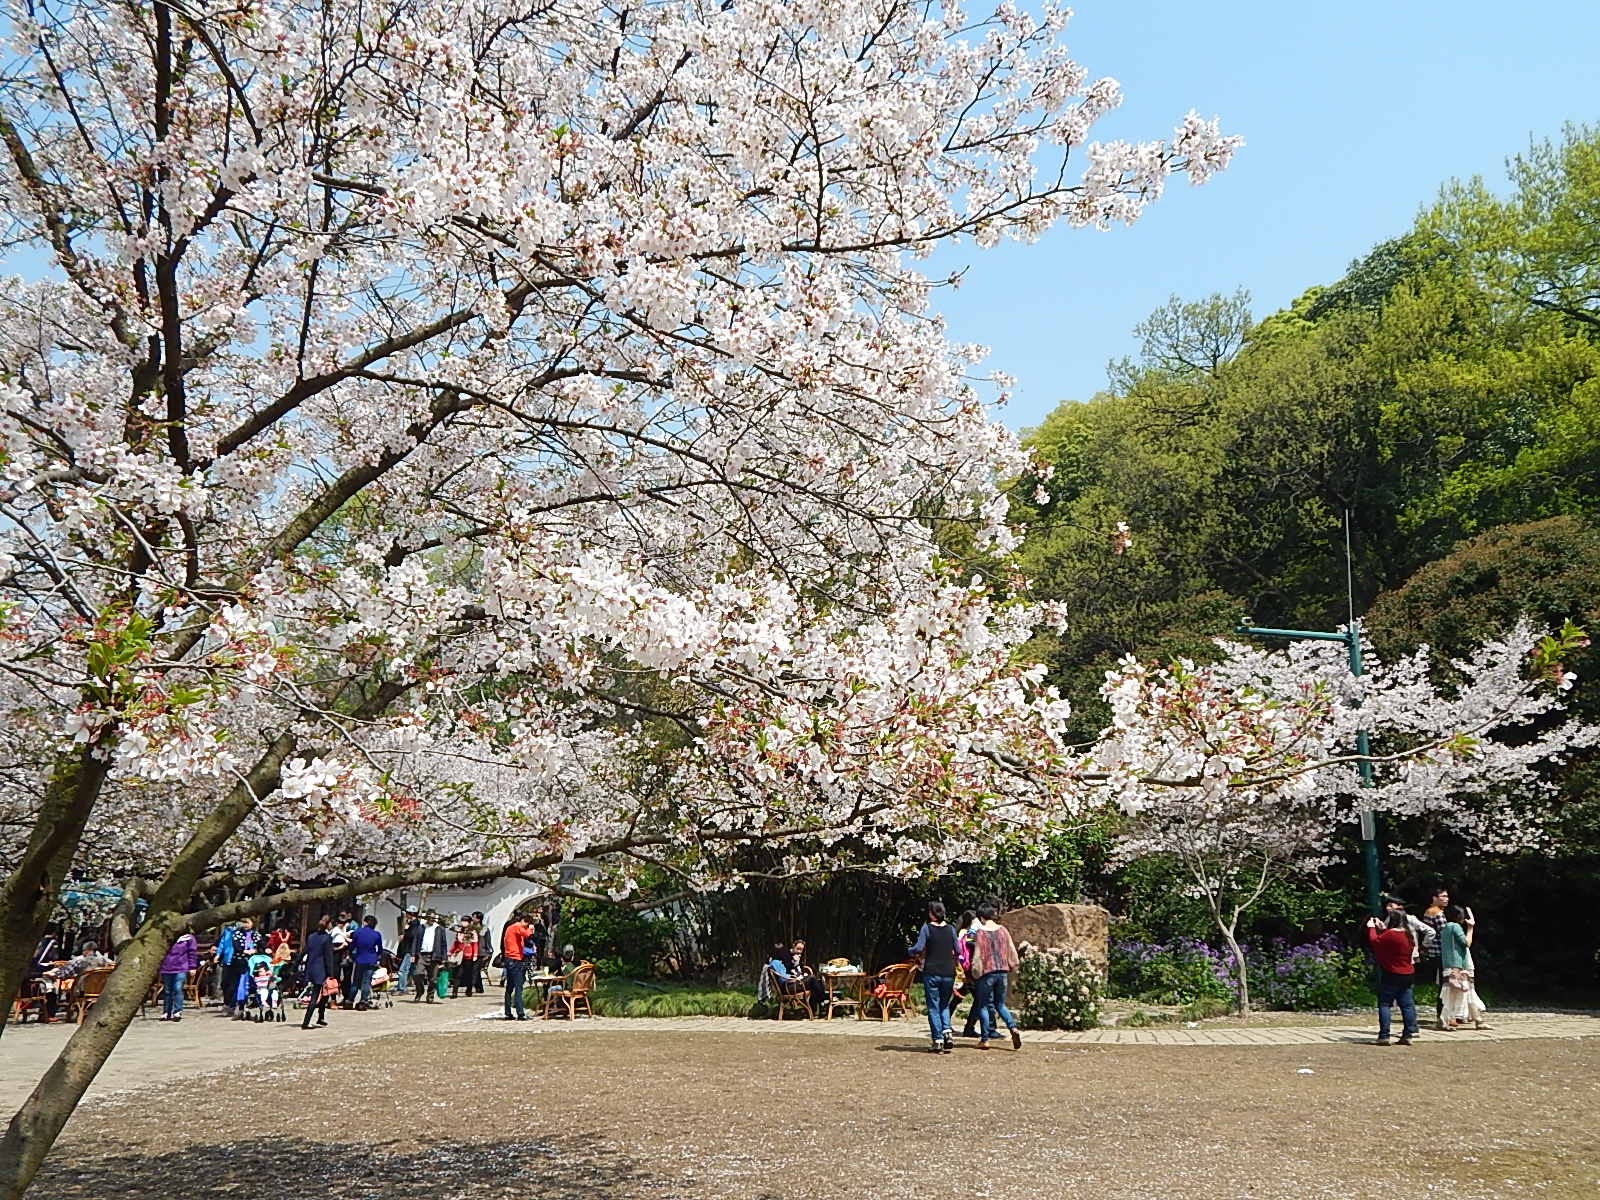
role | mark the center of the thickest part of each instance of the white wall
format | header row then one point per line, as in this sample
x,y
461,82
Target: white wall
x,y
496,900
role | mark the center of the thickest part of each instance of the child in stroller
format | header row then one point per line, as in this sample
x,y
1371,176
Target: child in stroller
x,y
259,995
383,981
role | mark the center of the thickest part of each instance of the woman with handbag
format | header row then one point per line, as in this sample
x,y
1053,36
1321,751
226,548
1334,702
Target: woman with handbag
x,y
321,971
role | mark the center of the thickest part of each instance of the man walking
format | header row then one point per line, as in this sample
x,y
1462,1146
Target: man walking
x,y
406,948
433,948
366,947
514,949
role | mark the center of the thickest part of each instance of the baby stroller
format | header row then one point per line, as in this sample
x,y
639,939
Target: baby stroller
x,y
383,981
260,994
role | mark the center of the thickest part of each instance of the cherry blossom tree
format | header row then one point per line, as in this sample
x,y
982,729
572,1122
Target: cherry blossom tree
x,y
444,438
1259,744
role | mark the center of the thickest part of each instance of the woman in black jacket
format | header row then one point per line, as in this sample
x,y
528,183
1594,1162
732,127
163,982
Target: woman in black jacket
x,y
322,964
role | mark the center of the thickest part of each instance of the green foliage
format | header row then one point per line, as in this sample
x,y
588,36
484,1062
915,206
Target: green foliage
x,y
619,941
626,998
1181,971
1062,989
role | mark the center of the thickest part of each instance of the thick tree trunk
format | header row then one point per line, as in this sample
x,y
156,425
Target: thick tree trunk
x,y
37,1124
28,896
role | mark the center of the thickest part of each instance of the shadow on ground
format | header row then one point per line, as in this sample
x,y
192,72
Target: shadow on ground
x,y
395,1170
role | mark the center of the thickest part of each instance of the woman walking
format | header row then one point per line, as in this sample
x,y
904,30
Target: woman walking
x,y
183,957
994,957
1392,945
1458,988
936,943
322,971
463,958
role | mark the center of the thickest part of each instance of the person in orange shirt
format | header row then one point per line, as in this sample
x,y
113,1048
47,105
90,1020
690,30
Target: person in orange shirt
x,y
515,948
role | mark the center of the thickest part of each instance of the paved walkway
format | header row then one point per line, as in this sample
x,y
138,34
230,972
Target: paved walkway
x,y
155,1052
1506,1028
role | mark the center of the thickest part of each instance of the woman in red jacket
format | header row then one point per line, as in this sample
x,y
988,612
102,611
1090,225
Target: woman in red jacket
x,y
1391,944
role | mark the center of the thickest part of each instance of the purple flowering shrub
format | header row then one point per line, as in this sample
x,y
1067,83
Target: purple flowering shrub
x,y
1315,975
1179,971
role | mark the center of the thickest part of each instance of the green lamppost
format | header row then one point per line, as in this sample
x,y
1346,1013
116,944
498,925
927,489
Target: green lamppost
x,y
1369,819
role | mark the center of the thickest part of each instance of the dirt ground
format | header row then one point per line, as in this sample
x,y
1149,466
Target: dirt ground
x,y
628,1116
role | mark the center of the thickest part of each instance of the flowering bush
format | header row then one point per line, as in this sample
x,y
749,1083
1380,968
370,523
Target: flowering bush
x,y
1062,988
1177,972
1319,974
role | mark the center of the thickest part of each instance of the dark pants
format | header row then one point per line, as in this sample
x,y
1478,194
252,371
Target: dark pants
x,y
318,1004
425,974
475,975
1428,972
1396,989
516,973
361,982
816,991
230,982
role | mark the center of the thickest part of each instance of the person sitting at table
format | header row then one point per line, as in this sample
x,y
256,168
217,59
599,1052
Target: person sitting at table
x,y
87,959
792,981
61,980
797,959
566,969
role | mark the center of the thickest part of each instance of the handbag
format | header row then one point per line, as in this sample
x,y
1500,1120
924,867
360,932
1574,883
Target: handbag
x,y
498,962
330,986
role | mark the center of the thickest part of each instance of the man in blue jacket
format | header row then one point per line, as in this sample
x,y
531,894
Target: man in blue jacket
x,y
366,945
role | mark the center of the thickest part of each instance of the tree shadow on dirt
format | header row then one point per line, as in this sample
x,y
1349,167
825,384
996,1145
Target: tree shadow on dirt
x,y
398,1169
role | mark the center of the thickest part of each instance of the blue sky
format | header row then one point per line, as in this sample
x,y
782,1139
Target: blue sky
x,y
1353,116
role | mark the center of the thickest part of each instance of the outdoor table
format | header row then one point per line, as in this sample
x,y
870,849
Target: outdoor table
x,y
844,990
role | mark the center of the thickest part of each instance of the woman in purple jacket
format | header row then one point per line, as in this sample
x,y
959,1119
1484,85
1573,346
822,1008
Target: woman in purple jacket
x,y
175,967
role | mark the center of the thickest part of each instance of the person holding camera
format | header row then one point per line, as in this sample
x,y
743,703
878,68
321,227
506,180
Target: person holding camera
x,y
1393,947
1459,989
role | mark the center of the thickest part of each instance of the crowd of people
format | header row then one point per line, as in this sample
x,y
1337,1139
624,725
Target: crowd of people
x,y
348,963
1433,948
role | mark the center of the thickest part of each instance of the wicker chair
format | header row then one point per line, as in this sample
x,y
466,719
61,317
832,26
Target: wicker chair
x,y
86,990
572,996
785,995
31,998
892,987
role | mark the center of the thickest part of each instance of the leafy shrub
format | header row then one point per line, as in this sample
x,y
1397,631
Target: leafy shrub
x,y
1062,988
1177,972
621,998
620,942
1315,975
1301,977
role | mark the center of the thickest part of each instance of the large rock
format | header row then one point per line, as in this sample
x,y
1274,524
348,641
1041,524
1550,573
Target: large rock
x,y
1085,928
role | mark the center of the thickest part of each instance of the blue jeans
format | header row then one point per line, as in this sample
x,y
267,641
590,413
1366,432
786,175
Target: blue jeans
x,y
361,983
1396,989
989,994
402,975
516,972
936,990
172,992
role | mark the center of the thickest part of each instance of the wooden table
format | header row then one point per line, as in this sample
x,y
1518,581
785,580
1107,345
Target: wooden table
x,y
844,990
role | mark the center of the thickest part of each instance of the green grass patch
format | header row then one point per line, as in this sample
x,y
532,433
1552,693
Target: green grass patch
x,y
627,998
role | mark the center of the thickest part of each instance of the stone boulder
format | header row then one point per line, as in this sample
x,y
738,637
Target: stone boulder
x,y
1085,928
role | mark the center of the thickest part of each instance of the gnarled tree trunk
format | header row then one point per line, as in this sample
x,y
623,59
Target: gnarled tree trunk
x,y
28,896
